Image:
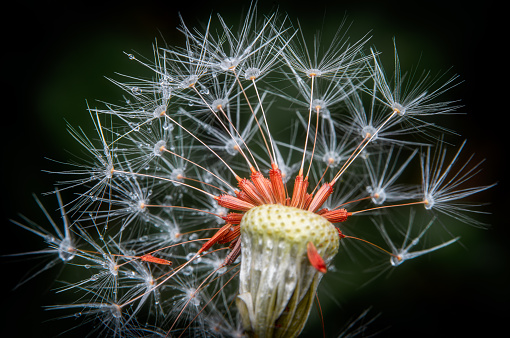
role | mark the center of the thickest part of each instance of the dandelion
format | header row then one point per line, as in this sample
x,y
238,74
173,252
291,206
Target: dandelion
x,y
417,100
400,255
61,244
442,187
196,218
382,177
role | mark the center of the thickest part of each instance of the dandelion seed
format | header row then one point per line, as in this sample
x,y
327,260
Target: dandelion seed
x,y
412,102
383,176
61,243
442,186
402,254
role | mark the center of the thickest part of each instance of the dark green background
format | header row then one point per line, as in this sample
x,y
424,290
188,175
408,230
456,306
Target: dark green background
x,y
56,57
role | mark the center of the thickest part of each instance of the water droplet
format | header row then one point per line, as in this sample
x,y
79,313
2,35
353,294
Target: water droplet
x,y
187,271
116,311
168,125
131,57
396,260
49,239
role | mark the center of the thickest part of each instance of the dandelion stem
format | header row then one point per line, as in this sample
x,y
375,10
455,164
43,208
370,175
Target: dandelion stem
x,y
253,113
352,158
163,179
389,206
273,157
228,131
308,126
314,143
368,242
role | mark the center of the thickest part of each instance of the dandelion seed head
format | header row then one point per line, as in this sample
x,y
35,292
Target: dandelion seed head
x,y
138,204
229,63
219,211
159,111
314,72
109,267
219,104
159,147
201,220
232,146
251,73
400,109
321,107
377,194
428,202
188,294
318,104
188,82
177,176
332,158
369,131
171,233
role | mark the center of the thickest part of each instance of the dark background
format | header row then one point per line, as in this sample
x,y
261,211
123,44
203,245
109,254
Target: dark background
x,y
56,57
